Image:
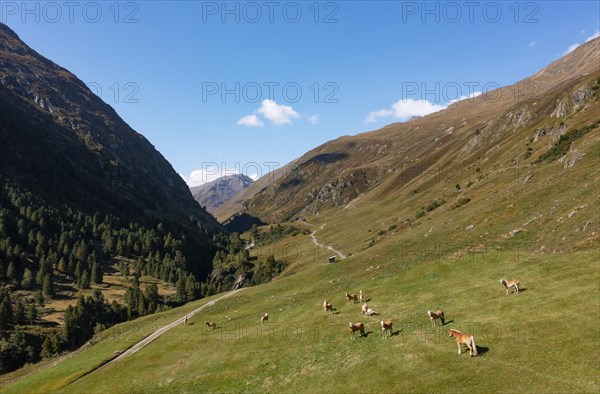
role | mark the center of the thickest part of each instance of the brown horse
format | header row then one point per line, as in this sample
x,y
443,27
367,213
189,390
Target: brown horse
x,y
511,283
327,307
385,327
436,315
357,327
264,318
464,339
210,325
352,297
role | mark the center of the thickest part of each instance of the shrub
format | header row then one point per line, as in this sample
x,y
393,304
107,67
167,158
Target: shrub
x,y
562,146
463,201
433,205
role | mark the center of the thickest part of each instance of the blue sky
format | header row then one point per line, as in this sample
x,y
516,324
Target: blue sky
x,y
295,74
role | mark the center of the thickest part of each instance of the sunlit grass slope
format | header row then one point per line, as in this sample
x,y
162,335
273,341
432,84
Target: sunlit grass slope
x,y
543,339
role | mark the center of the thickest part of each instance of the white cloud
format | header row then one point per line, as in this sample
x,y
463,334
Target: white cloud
x,y
595,35
408,108
382,113
313,119
205,175
250,121
405,109
276,113
470,96
574,46
532,44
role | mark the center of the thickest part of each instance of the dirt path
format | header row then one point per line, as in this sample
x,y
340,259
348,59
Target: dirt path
x,y
328,247
146,341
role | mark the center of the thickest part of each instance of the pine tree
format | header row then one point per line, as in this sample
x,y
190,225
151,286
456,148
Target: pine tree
x,y
141,306
190,288
19,312
11,272
62,266
31,313
97,275
84,280
46,348
78,270
180,286
6,313
47,287
39,298
27,281
57,344
152,297
120,249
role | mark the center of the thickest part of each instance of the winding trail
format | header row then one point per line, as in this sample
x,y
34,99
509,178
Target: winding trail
x,y
147,340
131,350
329,247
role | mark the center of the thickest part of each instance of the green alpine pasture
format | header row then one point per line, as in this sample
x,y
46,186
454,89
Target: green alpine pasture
x,y
543,339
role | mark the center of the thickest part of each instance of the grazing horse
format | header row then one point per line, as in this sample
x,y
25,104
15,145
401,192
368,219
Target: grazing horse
x,y
511,283
352,297
436,315
357,327
360,299
365,307
385,327
327,307
371,312
466,339
210,325
264,318
185,319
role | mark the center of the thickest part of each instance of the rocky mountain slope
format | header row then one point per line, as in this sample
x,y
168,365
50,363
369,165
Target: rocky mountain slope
x,y
59,137
213,194
515,137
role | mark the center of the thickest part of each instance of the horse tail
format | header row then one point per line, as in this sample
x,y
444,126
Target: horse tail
x,y
473,345
442,318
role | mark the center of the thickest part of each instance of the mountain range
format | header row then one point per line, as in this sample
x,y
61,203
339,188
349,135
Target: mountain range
x,y
212,195
528,136
428,213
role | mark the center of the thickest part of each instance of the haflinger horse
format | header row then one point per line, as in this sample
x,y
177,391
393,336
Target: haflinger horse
x,y
371,312
327,307
467,339
436,315
365,308
357,327
352,297
510,283
385,327
264,318
210,325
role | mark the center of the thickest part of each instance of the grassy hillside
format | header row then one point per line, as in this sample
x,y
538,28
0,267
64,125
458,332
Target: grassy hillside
x,y
510,131
431,214
543,339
